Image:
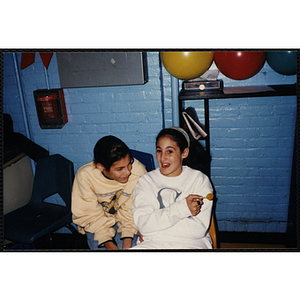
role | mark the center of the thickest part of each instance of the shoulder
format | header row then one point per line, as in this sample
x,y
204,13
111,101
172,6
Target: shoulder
x,y
87,170
188,171
151,176
89,167
199,178
138,168
191,170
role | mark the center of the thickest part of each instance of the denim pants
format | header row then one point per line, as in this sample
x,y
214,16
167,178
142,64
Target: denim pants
x,y
93,244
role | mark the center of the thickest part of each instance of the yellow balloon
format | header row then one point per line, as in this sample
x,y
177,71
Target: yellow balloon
x,y
187,65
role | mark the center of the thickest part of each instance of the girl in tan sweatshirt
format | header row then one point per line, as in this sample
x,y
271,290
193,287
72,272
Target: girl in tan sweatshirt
x,y
102,195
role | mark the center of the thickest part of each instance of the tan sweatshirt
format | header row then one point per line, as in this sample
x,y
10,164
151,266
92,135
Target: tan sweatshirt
x,y
93,192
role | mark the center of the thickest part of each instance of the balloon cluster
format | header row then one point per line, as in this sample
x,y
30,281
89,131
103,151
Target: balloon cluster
x,y
238,65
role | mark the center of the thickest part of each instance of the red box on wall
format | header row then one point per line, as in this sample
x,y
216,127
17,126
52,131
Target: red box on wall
x,y
51,108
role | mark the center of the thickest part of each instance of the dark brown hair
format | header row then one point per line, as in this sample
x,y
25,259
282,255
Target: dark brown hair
x,y
110,149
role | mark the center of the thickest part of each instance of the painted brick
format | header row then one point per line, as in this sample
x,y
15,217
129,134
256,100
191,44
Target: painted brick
x,y
101,118
237,154
269,121
225,162
126,117
84,109
286,108
116,107
230,122
233,132
226,143
283,162
76,120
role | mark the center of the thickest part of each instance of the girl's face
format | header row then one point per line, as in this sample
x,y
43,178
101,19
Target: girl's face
x,y
119,171
169,157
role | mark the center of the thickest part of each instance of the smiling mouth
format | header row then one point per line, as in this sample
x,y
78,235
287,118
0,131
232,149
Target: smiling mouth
x,y
165,165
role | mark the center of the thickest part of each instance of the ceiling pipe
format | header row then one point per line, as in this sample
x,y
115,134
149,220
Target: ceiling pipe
x,y
174,97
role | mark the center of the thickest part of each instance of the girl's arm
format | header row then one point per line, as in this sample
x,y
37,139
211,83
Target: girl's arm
x,y
197,225
87,212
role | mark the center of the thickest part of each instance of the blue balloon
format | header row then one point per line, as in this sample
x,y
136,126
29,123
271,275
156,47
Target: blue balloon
x,y
283,62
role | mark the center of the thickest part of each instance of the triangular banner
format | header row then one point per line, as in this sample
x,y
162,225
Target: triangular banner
x,y
46,57
28,59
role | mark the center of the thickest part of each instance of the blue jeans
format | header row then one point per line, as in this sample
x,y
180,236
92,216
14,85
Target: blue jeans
x,y
93,244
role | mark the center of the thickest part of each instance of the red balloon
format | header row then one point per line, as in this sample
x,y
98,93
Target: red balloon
x,y
239,64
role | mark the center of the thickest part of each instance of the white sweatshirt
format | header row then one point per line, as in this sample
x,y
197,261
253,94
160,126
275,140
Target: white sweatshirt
x,y
162,216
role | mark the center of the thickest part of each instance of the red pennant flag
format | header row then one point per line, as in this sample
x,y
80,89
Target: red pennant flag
x,y
27,59
46,57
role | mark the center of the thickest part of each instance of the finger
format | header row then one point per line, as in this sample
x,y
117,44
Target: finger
x,y
195,196
200,202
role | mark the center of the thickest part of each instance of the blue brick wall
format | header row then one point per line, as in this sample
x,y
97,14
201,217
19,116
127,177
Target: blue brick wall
x,y
251,139
252,155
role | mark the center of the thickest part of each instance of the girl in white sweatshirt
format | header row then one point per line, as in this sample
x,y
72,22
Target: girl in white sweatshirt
x,y
169,208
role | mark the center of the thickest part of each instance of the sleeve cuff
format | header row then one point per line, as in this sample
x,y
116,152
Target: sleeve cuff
x,y
183,208
127,234
103,244
126,237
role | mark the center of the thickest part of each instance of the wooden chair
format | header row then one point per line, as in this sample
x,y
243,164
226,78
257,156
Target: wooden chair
x,y
212,232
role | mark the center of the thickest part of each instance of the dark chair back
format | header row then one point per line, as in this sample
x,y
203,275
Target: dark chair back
x,y
145,158
54,174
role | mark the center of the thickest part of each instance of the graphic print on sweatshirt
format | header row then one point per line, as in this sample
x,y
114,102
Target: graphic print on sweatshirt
x,y
111,205
167,196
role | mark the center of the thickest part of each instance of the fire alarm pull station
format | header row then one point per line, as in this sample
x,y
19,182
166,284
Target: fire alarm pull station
x,y
51,108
